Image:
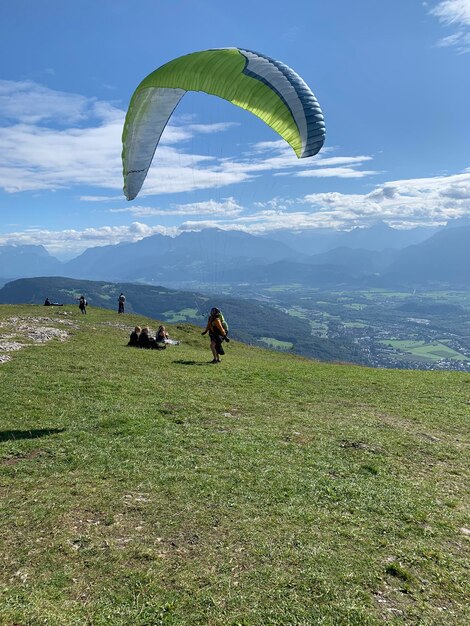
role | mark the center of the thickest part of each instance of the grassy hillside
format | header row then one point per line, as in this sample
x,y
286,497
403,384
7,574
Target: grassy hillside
x,y
249,320
144,488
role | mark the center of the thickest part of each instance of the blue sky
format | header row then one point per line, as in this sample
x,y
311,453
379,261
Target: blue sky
x,y
392,79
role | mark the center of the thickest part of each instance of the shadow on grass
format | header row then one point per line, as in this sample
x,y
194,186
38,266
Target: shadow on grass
x,y
183,362
11,435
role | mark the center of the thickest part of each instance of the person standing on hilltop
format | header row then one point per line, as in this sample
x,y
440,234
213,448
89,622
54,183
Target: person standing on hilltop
x,y
82,304
121,303
217,334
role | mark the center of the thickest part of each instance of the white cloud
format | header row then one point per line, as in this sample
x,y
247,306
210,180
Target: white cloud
x,y
322,161
455,13
281,160
30,103
51,140
337,172
401,203
277,204
266,157
460,40
180,134
35,158
99,198
227,207
72,242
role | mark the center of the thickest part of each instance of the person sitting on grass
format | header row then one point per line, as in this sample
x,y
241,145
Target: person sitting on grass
x,y
134,338
217,334
47,302
162,337
148,342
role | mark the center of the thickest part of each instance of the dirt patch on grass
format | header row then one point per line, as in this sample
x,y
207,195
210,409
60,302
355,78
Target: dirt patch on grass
x,y
359,445
20,332
13,460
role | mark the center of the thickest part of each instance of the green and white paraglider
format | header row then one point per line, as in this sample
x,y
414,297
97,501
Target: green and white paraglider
x,y
265,87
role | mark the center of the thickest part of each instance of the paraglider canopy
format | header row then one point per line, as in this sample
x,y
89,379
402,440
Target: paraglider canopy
x,y
265,87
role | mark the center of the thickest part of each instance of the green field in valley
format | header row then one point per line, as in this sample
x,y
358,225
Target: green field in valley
x,y
432,350
151,488
275,343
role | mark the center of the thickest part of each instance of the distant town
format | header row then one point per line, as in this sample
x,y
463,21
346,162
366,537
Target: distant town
x,y
402,330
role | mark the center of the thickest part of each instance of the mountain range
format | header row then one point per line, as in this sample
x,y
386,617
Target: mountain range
x,y
377,237
376,256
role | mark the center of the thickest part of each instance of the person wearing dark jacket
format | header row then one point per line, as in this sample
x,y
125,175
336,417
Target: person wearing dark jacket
x,y
148,342
121,303
47,302
82,304
134,338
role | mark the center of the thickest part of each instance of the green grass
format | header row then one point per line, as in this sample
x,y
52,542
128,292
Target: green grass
x,y
143,488
276,343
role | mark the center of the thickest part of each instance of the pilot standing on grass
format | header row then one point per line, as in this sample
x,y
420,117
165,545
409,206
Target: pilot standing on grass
x,y
217,334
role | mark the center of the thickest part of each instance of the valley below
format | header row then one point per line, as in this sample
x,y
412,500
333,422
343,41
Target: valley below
x,y
394,329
